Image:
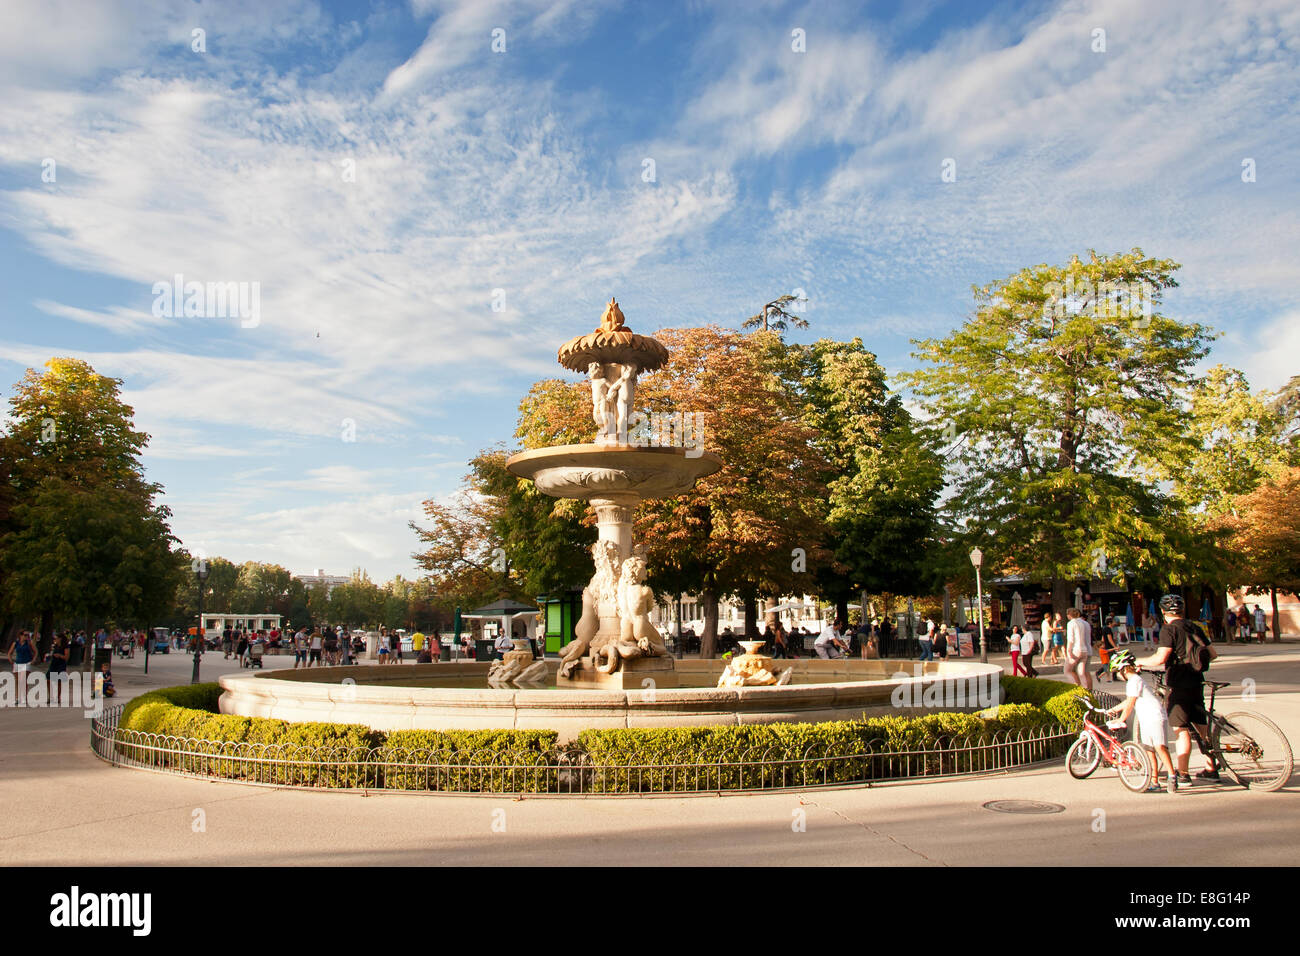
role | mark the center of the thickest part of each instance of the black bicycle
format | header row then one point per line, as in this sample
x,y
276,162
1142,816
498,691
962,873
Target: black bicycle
x,y
1249,746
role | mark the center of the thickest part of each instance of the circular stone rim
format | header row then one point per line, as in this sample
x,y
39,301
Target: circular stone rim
x,y
541,458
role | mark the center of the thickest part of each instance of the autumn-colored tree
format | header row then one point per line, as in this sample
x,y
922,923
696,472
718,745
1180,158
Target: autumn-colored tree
x,y
739,530
1263,539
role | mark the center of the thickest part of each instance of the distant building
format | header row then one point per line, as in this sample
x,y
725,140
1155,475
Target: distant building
x,y
321,579
217,623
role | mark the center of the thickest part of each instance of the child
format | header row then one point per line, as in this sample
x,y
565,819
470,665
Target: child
x,y
108,680
1152,729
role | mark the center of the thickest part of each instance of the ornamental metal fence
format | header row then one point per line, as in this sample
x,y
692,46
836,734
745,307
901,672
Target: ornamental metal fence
x,y
573,770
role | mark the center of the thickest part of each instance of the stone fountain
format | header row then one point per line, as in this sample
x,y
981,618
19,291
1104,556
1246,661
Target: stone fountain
x,y
615,644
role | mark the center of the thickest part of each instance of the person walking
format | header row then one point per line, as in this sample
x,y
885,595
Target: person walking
x,y
1243,624
300,649
1028,647
1013,645
1260,623
926,641
316,648
57,671
1106,648
22,654
779,640
1078,649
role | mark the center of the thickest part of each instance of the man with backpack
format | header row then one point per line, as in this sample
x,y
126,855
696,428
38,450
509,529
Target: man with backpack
x,y
1185,655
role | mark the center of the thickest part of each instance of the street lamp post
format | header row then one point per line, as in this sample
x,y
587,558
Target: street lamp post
x,y
200,566
977,559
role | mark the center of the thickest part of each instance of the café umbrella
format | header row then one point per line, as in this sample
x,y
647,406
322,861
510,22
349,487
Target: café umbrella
x,y
1018,611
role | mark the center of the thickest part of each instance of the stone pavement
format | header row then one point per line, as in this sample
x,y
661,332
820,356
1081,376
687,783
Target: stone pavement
x,y
67,807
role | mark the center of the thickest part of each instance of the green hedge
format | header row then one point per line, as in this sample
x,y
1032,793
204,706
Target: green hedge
x,y
1055,697
690,758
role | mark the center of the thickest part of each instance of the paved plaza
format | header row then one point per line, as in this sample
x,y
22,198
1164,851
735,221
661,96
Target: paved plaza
x,y
126,817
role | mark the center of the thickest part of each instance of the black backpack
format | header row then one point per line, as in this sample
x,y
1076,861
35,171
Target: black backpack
x,y
1199,650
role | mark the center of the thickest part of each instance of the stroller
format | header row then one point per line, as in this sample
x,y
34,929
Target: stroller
x,y
255,652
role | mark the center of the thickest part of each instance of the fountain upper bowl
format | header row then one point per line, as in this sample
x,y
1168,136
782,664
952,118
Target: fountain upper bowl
x,y
593,471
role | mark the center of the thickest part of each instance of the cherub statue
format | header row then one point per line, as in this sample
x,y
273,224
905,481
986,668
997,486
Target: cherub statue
x,y
600,405
603,589
635,602
618,398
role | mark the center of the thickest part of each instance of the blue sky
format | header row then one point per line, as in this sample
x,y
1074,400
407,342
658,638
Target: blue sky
x,y
378,170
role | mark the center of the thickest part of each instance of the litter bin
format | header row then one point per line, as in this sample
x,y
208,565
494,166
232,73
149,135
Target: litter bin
x,y
484,650
103,655
446,653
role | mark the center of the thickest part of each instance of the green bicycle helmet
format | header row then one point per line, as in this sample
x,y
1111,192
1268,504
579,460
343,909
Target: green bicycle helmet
x,y
1121,660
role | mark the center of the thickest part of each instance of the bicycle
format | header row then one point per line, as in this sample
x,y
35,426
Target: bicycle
x,y
1252,748
1096,744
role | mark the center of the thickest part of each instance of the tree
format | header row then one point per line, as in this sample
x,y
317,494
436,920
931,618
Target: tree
x,y
84,535
882,480
737,532
775,315
1263,530
1236,443
1286,406
1058,395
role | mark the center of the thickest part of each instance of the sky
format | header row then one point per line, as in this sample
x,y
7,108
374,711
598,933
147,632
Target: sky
x,y
420,201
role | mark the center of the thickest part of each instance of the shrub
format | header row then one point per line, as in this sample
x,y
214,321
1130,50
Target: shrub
x,y
748,756
1057,698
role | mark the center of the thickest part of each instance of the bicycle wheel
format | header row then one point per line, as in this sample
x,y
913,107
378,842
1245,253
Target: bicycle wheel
x,y
1084,758
1254,749
1134,766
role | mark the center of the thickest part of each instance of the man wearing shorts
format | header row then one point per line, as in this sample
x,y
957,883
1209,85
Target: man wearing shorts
x,y
300,649
317,643
1186,703
22,653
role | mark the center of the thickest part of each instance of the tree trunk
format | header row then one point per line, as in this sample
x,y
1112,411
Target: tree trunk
x,y
709,638
751,617
1062,599
47,635
1277,618
769,616
842,609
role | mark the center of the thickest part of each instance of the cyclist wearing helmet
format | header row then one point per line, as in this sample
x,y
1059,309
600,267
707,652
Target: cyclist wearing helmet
x,y
1142,703
1186,685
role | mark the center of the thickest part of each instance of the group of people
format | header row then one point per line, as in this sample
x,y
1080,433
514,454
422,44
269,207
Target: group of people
x,y
1246,623
25,654
1066,640
1184,706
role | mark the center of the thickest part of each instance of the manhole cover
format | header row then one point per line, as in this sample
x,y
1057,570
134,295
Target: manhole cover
x,y
1023,806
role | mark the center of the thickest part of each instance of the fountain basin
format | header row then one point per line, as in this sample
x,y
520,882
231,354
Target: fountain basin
x,y
383,697
599,471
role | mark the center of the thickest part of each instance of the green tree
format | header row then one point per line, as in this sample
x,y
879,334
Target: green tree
x,y
776,316
882,479
1058,396
84,534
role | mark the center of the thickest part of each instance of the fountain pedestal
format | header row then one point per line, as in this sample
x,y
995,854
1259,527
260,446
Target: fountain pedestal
x,y
636,673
